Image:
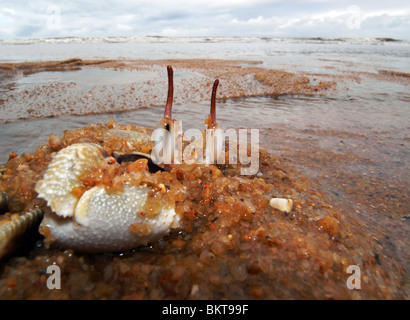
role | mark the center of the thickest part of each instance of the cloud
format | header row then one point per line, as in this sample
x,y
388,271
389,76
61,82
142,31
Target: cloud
x,y
292,18
348,22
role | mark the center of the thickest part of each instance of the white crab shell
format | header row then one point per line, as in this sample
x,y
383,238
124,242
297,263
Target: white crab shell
x,y
99,221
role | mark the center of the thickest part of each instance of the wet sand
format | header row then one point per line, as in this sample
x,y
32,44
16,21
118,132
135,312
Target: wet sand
x,y
356,169
139,84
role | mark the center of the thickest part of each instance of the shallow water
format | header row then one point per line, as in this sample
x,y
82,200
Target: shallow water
x,y
364,108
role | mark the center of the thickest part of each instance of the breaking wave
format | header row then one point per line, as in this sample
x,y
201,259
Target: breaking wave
x,y
161,39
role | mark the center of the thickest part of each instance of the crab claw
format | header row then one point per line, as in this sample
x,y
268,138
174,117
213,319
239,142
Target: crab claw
x,y
97,220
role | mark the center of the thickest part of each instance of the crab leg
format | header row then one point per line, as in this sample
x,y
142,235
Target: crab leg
x,y
4,202
17,227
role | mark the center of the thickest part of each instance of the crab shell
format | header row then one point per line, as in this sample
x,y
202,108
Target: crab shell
x,y
99,221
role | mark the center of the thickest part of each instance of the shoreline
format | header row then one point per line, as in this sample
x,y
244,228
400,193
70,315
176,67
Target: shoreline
x,y
55,88
193,81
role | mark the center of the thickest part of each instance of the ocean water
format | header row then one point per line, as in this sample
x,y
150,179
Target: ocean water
x,y
273,52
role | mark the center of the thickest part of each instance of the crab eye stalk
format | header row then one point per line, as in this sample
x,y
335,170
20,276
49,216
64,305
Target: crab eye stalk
x,y
167,122
164,136
212,123
170,98
215,142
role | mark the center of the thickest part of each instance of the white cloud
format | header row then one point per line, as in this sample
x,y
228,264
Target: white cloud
x,y
7,11
336,23
259,22
28,19
123,27
178,32
405,12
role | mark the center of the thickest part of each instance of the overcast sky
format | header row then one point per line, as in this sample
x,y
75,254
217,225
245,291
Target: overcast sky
x,y
250,18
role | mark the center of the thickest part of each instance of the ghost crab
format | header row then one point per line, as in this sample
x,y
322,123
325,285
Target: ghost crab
x,y
105,201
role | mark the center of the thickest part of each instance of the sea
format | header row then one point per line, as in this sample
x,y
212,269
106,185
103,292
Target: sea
x,y
273,51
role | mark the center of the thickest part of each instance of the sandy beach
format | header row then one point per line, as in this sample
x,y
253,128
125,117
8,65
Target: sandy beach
x,y
336,140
